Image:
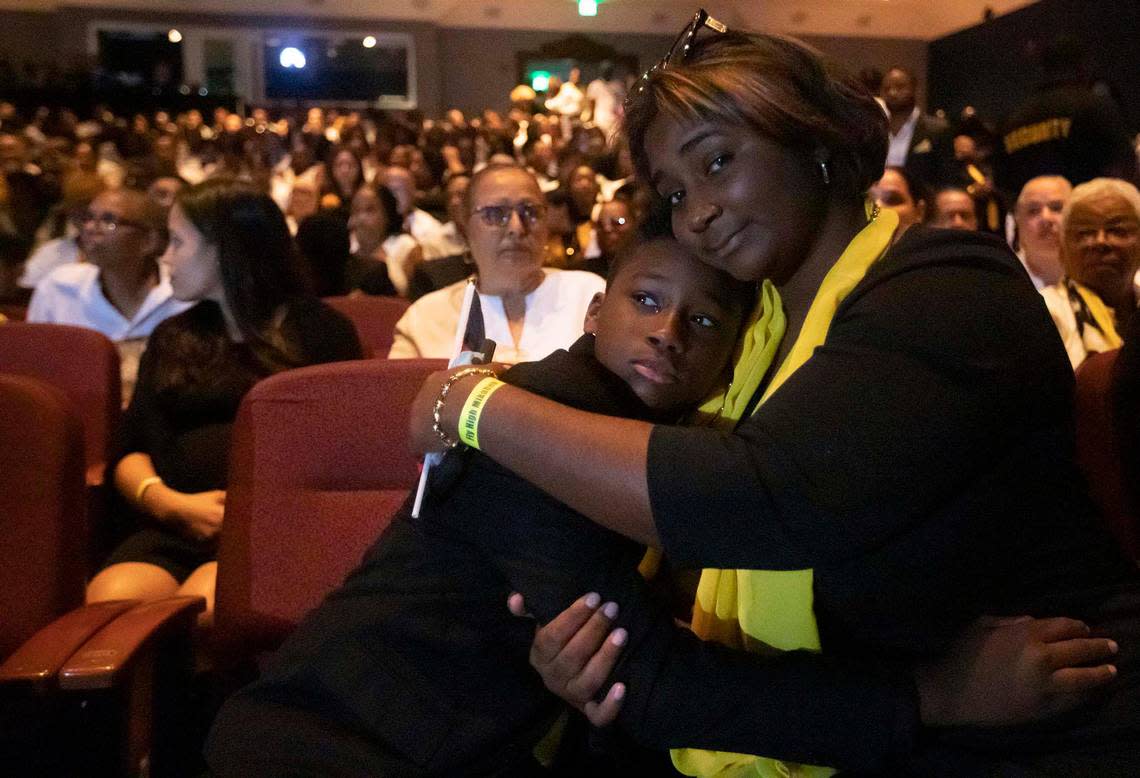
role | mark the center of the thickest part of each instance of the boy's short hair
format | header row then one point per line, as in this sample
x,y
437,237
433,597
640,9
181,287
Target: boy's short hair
x,y
657,225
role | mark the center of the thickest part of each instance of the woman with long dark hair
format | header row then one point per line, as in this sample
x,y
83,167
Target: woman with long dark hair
x,y
230,252
344,175
383,253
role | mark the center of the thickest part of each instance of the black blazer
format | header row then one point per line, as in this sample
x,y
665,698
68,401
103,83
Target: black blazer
x,y
931,154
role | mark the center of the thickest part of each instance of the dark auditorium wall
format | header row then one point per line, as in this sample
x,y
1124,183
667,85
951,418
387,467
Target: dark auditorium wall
x,y
466,68
993,65
70,36
485,67
495,52
28,36
883,53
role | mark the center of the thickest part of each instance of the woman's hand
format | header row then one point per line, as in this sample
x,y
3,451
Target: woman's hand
x,y
422,438
198,515
575,653
1014,670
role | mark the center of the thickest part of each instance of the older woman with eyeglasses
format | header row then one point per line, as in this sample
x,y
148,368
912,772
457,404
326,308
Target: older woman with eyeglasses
x,y
1100,251
528,310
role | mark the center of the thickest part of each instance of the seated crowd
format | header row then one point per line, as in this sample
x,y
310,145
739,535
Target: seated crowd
x,y
204,249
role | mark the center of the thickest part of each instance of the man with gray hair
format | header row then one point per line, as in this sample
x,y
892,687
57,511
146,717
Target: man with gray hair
x,y
1037,214
1100,253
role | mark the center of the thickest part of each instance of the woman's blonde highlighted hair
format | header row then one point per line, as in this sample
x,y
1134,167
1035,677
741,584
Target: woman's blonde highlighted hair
x,y
777,86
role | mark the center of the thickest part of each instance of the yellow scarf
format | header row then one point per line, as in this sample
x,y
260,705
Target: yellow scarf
x,y
765,610
1103,317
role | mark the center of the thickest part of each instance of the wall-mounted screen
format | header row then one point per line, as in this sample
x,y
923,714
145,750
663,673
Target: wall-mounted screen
x,y
373,69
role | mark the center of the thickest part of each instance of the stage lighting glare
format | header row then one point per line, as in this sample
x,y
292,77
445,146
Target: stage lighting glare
x,y
369,42
587,7
174,36
292,57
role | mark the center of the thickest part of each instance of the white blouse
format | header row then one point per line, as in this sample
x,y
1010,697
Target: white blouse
x,y
555,315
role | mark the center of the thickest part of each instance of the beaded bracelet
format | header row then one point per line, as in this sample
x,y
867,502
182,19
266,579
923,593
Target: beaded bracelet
x,y
443,392
145,484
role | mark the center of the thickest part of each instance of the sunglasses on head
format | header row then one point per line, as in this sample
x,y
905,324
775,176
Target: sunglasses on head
x,y
679,51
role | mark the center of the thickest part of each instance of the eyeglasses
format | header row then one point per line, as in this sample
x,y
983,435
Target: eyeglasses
x,y
679,51
529,214
1117,233
106,222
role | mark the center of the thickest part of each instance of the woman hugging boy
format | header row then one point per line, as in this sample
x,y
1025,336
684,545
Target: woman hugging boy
x,y
415,665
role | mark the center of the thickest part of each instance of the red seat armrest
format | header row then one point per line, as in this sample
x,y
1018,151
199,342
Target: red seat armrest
x,y
103,659
39,659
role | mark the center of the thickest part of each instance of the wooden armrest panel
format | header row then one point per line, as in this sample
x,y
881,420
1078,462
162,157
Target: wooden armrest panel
x,y
41,657
105,657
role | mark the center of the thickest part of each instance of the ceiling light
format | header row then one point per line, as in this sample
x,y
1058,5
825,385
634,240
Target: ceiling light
x,y
369,42
587,7
174,36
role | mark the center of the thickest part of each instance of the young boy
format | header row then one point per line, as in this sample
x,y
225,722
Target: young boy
x,y
415,666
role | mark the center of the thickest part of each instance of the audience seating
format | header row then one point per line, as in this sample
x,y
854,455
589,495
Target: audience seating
x,y
103,690
319,464
42,501
1098,449
74,678
42,564
83,364
375,319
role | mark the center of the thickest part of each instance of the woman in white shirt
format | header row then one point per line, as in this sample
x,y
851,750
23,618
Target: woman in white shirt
x,y
379,244
528,310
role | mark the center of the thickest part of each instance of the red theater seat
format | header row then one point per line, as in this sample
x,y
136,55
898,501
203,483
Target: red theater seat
x,y
1098,449
375,319
42,500
73,677
319,464
83,364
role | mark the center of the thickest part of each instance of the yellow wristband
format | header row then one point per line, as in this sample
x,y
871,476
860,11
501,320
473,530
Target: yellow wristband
x,y
145,484
473,408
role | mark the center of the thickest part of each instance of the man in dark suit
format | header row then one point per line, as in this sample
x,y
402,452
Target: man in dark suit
x,y
919,142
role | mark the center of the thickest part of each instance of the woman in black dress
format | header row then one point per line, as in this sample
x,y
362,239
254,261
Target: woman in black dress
x,y
231,252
